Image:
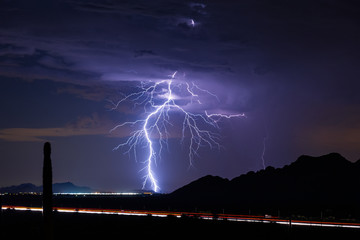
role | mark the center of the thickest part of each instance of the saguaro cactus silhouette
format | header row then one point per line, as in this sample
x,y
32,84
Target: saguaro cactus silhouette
x,y
0,208
47,192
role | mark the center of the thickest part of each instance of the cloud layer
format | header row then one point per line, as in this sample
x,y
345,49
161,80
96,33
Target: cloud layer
x,y
291,66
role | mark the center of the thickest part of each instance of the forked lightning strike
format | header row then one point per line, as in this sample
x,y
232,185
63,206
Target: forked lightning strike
x,y
158,100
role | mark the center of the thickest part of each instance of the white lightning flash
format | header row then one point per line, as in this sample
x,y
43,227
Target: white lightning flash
x,y
217,116
158,99
263,152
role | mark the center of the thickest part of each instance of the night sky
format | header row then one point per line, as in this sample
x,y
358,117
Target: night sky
x,y
292,67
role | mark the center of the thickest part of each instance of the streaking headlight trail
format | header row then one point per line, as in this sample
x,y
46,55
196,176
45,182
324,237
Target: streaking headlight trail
x,y
159,102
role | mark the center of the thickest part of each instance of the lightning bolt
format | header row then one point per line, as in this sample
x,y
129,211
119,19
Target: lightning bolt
x,y
158,100
263,152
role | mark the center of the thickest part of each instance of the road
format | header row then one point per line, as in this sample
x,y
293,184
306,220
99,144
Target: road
x,y
206,216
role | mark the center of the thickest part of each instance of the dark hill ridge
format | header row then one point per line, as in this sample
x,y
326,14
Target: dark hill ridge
x,y
328,180
69,187
25,187
66,187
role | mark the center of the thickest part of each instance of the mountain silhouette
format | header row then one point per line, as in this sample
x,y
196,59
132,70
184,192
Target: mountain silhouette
x,y
69,187
25,187
328,181
66,187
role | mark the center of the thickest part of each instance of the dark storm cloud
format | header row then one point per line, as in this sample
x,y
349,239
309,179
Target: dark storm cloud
x,y
253,47
142,53
37,57
291,66
133,26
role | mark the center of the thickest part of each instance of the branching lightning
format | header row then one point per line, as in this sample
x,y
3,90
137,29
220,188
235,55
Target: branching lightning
x,y
159,100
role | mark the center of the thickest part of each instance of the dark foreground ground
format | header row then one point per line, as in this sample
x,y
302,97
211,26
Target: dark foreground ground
x,y
28,225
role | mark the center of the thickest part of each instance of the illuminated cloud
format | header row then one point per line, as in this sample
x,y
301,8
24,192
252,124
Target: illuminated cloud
x,y
84,126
